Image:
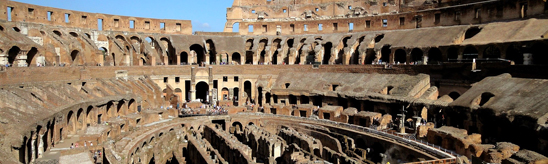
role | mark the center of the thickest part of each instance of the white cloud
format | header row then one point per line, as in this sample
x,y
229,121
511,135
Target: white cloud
x,y
205,25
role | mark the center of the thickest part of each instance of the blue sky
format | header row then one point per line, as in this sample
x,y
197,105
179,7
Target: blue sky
x,y
206,15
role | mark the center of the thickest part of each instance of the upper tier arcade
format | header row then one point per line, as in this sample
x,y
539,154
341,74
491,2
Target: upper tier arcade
x,y
288,17
22,12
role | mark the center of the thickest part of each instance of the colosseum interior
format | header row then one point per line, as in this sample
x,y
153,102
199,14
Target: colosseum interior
x,y
302,81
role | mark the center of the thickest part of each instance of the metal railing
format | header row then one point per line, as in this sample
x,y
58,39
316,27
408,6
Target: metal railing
x,y
409,140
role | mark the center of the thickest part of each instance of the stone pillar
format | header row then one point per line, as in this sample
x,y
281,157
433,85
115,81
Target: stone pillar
x,y
152,61
193,83
268,55
319,53
3,58
292,56
461,51
263,100
33,148
212,98
178,59
40,145
21,59
305,50
229,58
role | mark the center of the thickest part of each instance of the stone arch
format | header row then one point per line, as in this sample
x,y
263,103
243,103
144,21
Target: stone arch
x,y
212,52
58,33
263,43
248,89
416,55
327,52
452,53
238,126
470,52
80,119
454,95
385,53
199,50
202,91
73,34
292,99
132,106
513,53
184,58
31,57
179,93
119,108
400,56
70,121
89,117
170,51
434,55
76,58
236,58
12,54
491,52
249,44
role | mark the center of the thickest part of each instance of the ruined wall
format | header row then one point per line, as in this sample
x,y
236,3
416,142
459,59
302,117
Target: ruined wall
x,y
22,12
269,18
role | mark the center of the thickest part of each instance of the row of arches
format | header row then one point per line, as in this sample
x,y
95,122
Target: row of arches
x,y
534,53
72,121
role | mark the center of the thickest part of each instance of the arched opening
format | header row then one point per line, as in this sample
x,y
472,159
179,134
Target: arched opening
x,y
385,54
238,127
268,96
305,99
454,95
1,28
199,50
70,121
236,27
470,52
58,33
434,56
224,93
491,52
540,54
211,51
416,55
80,119
236,94
170,51
327,52
12,54
400,56
378,38
262,45
471,32
76,57
452,53
179,94
289,45
292,99
184,58
202,91
484,98
355,58
340,56
236,58
249,45
107,60
311,56
277,45
513,53
247,90
31,56
16,29
73,34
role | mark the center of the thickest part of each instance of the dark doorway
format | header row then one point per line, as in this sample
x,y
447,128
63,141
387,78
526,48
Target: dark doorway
x,y
199,52
327,52
202,91
400,56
